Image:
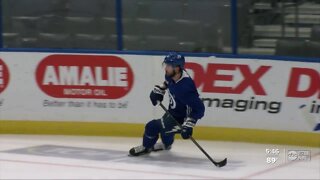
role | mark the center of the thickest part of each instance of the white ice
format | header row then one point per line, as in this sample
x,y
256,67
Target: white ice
x,y
184,161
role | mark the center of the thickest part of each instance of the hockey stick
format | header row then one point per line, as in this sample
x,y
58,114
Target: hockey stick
x,y
218,164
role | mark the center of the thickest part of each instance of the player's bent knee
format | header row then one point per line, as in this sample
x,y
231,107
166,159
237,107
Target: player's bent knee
x,y
153,126
167,139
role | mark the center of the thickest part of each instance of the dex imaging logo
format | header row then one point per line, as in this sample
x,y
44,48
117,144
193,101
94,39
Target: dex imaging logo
x,y
4,76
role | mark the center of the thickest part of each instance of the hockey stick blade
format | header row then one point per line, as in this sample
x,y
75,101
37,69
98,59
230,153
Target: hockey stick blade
x,y
218,164
221,163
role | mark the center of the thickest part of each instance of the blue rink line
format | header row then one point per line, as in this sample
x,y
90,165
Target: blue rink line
x,y
162,53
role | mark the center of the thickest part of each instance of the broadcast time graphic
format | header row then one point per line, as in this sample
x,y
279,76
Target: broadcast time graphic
x,y
276,156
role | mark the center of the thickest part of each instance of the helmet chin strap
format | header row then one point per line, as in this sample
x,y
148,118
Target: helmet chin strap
x,y
186,72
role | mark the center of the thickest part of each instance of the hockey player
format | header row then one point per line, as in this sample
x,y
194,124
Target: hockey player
x,y
185,106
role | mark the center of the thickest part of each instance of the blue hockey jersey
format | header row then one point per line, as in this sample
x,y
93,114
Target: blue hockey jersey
x,y
184,99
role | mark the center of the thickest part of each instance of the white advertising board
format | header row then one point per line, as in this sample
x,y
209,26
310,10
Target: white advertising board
x,y
239,93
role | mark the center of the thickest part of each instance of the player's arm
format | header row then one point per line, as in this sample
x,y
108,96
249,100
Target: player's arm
x,y
195,111
195,107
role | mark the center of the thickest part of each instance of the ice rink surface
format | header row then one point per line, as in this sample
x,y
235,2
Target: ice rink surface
x,y
82,157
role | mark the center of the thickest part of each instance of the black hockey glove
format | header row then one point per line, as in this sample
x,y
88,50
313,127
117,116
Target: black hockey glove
x,y
187,127
157,94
